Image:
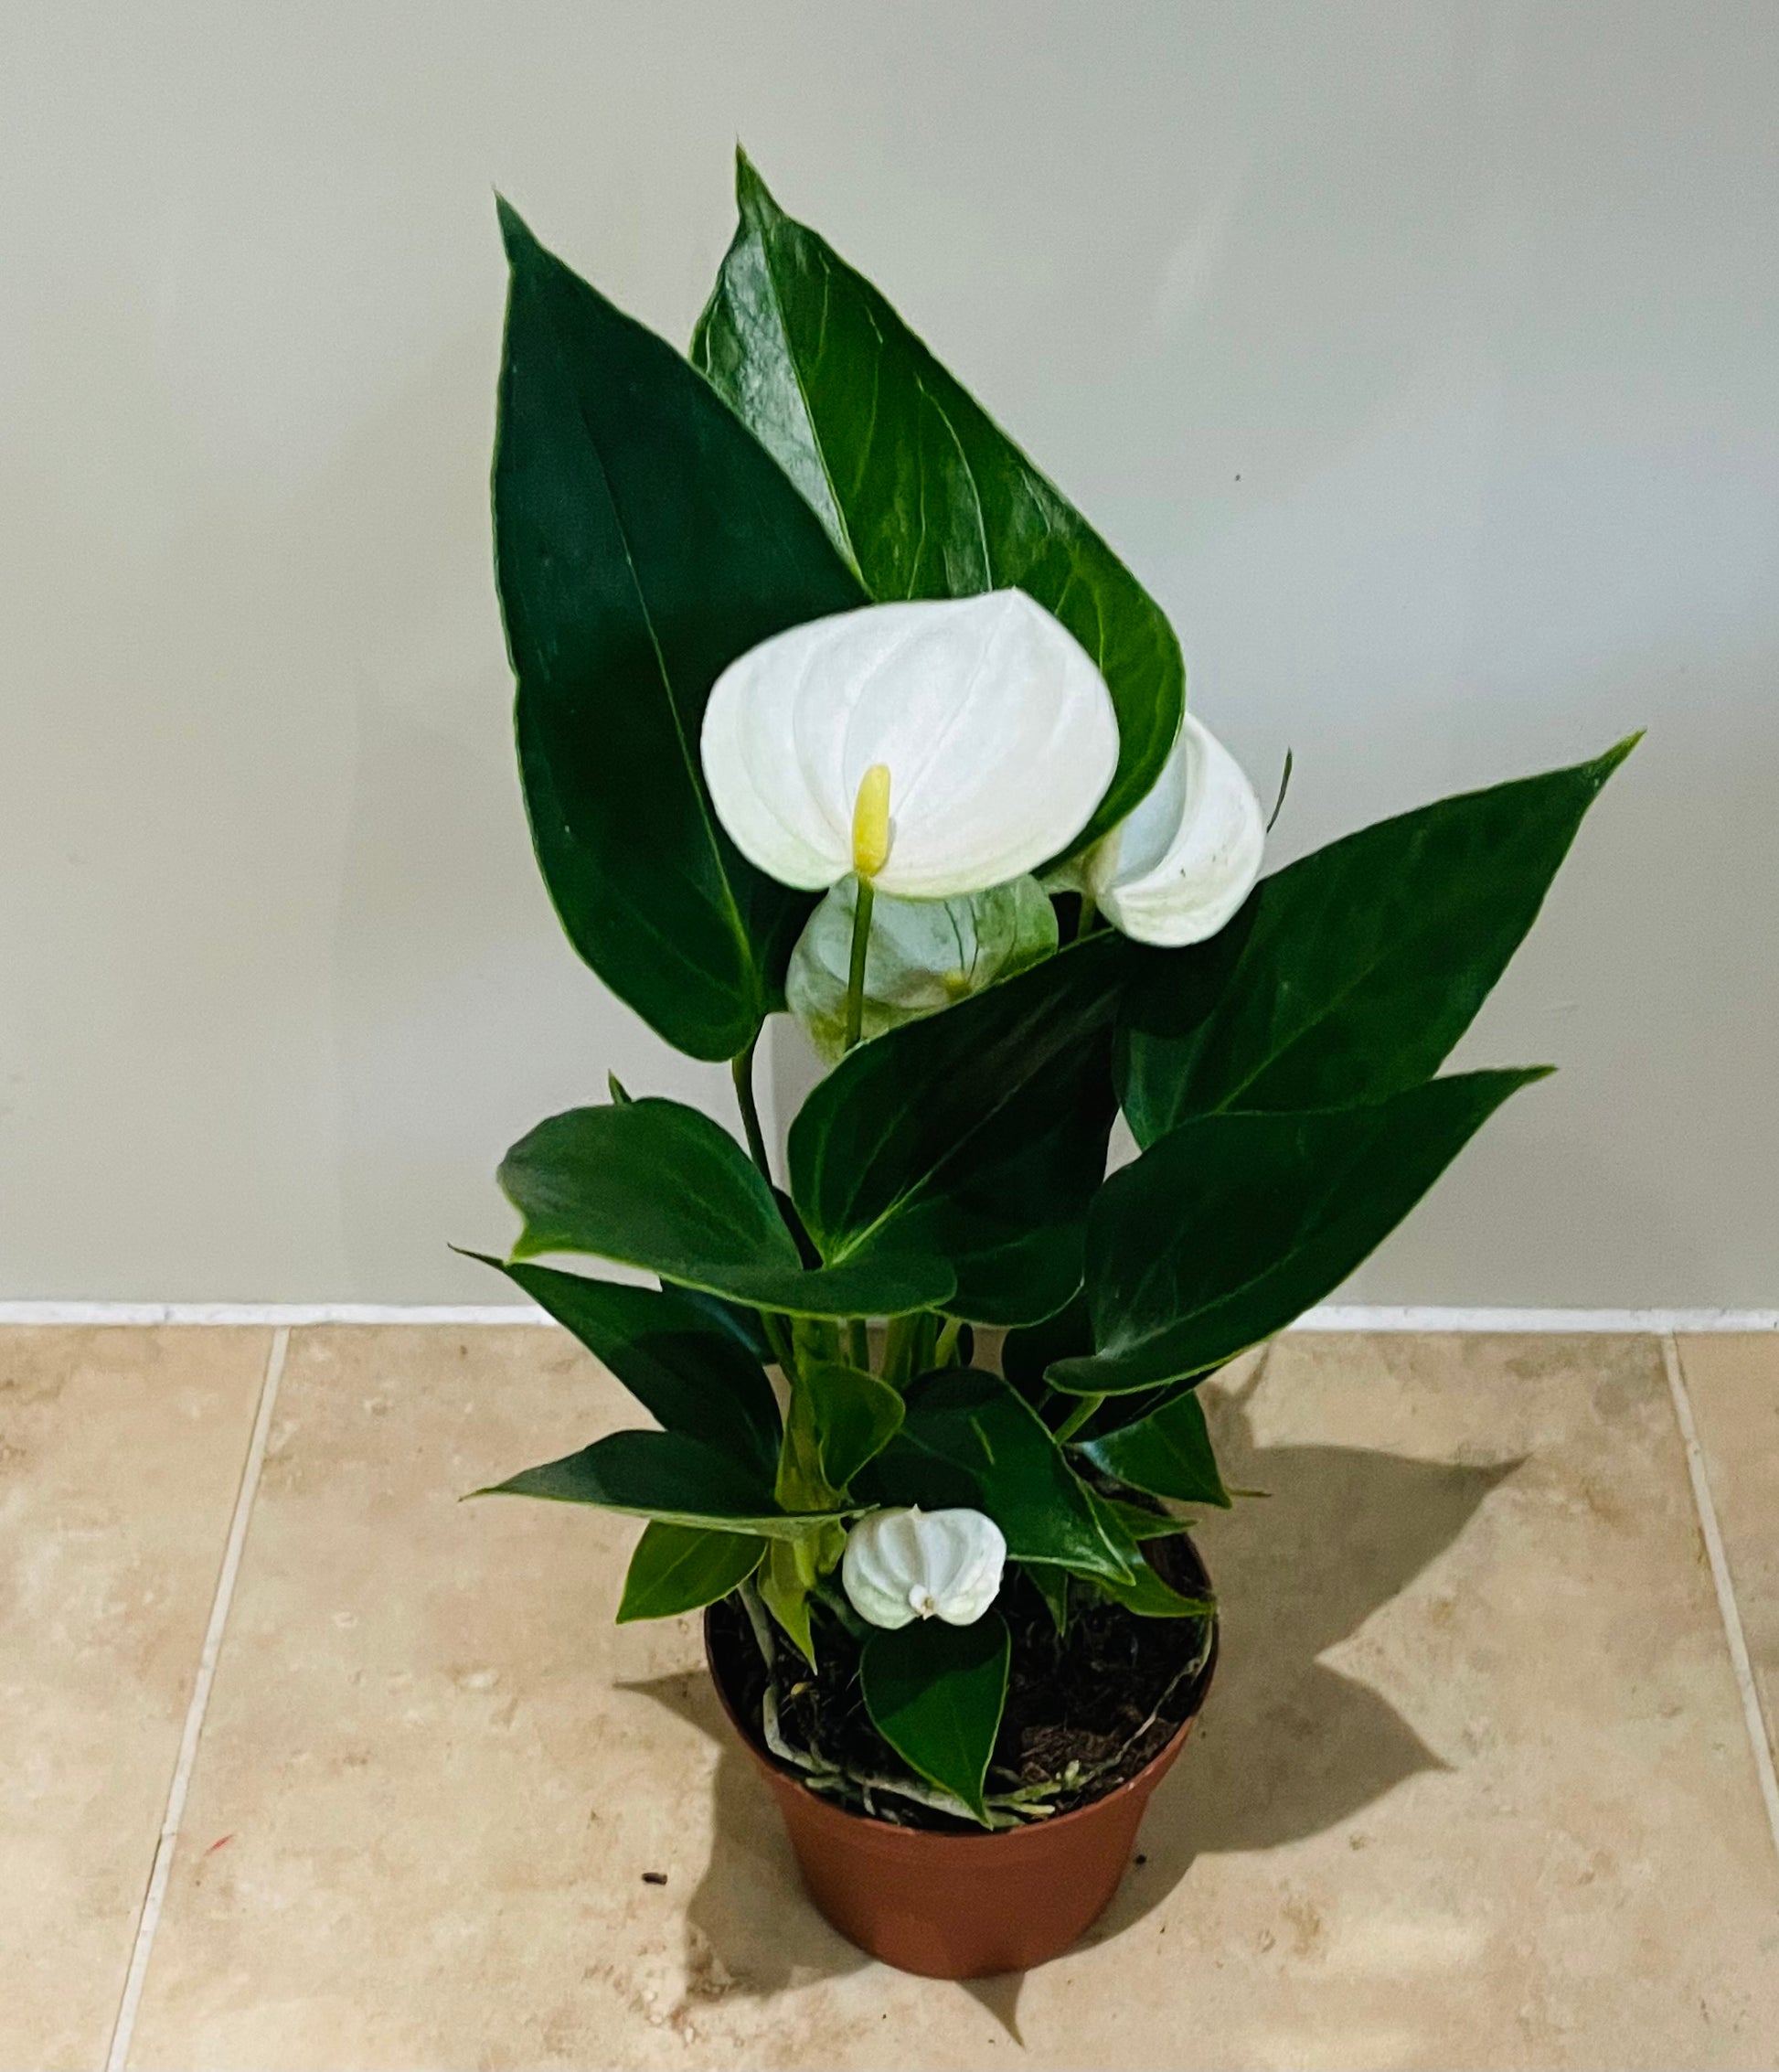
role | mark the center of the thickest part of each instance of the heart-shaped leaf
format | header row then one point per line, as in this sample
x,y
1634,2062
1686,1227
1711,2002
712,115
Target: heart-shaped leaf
x,y
977,1136
659,1185
969,1439
1354,970
680,1568
935,1693
644,539
920,489
668,1476
689,1373
1233,1224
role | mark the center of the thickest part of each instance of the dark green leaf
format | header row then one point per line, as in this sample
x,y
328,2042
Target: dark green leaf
x,y
935,1693
644,539
735,1320
664,1475
1028,1352
688,1374
659,1185
969,1439
977,1135
1052,1585
853,1413
1233,1224
1361,965
1149,1598
1139,1525
924,494
678,1568
1168,1453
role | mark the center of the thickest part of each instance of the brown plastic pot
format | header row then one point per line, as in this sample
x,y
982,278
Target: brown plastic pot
x,y
963,1906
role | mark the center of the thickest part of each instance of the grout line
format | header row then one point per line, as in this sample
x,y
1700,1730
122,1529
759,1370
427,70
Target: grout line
x,y
161,1869
1727,1606
1329,1317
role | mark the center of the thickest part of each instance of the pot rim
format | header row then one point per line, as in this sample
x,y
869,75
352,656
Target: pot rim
x,y
884,1834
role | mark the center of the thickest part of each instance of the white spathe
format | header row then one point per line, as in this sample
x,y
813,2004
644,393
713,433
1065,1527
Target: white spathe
x,y
900,1565
1178,867
998,732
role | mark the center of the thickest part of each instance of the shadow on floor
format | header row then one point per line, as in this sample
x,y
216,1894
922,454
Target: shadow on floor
x,y
1286,1749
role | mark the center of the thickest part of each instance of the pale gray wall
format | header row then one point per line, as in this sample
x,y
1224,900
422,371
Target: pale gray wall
x,y
1422,357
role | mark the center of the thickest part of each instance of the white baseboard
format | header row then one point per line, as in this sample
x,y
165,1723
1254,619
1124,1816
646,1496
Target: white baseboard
x,y
1334,1317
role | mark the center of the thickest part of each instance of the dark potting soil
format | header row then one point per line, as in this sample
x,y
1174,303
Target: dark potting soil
x,y
1109,1694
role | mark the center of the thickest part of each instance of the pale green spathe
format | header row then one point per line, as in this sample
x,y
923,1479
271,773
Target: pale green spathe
x,y
923,955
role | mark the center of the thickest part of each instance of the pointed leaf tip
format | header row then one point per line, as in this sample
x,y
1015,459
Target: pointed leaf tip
x,y
1617,754
515,232
752,197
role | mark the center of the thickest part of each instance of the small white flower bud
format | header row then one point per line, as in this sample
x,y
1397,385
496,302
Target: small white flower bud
x,y
900,1565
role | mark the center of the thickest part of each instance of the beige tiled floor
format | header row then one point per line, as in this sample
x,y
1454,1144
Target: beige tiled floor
x,y
1473,1786
120,1456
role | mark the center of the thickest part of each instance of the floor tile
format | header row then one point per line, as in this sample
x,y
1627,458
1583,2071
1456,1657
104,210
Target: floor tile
x,y
1733,1381
1471,1787
121,1456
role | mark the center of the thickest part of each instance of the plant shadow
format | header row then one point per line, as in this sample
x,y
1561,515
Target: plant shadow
x,y
1286,1748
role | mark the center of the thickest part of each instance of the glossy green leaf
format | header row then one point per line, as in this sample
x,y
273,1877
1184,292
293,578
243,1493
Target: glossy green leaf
x,y
1168,1453
1233,1224
1360,965
644,540
1028,1352
1140,1525
969,1439
1149,1598
854,1416
935,1693
680,1568
1052,1585
979,1136
924,494
783,1585
734,1319
689,1375
659,1185
668,1476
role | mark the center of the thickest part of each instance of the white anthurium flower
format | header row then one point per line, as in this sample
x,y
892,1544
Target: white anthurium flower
x,y
1178,867
923,954
900,1565
934,748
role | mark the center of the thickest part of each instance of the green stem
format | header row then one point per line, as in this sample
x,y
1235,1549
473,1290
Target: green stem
x,y
1077,1417
1089,917
945,1350
861,939
859,1344
740,1070
898,1340
926,1340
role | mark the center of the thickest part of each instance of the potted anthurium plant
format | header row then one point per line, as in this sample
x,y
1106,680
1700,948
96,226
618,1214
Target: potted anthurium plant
x,y
830,704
